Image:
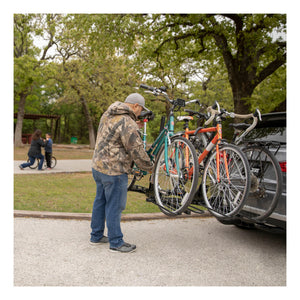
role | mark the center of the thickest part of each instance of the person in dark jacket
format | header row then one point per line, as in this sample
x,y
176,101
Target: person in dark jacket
x,y
35,151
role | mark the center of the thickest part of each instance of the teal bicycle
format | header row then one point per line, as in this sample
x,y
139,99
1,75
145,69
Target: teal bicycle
x,y
173,183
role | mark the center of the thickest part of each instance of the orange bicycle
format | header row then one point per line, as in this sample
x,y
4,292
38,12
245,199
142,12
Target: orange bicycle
x,y
265,171
225,169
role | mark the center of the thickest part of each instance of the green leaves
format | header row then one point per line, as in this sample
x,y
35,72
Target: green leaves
x,y
103,57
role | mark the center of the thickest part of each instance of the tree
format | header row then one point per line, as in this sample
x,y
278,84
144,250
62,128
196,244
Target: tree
x,y
95,76
251,46
27,64
270,94
100,58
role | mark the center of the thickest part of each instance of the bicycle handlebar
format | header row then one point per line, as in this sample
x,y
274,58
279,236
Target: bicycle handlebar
x,y
162,90
155,91
256,116
213,114
146,87
193,101
216,105
213,111
199,114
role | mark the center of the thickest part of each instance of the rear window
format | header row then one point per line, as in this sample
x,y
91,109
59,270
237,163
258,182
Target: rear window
x,y
268,134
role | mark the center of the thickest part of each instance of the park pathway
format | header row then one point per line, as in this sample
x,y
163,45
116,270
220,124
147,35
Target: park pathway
x,y
62,166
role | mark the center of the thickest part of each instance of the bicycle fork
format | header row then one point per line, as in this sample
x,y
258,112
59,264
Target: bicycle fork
x,y
166,158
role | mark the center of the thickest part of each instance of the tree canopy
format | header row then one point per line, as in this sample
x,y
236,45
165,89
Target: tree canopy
x,y
76,65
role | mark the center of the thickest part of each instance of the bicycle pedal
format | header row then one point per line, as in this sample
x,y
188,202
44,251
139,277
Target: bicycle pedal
x,y
150,199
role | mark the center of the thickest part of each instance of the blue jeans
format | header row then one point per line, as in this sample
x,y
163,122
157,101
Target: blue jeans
x,y
110,201
32,160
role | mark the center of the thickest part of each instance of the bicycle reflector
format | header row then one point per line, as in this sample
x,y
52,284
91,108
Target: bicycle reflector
x,y
283,166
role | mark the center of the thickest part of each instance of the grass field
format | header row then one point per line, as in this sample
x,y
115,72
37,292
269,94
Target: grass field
x,y
72,192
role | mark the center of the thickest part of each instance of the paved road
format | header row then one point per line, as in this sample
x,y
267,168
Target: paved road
x,y
170,252
78,165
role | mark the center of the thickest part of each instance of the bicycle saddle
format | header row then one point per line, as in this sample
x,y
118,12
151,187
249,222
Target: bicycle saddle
x,y
185,118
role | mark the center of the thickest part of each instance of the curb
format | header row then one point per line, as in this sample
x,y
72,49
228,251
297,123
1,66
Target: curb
x,y
87,216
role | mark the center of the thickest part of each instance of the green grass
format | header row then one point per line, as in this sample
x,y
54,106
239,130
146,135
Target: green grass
x,y
73,192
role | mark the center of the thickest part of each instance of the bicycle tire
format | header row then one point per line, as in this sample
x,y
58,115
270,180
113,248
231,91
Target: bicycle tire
x,y
35,164
174,192
226,197
266,183
53,163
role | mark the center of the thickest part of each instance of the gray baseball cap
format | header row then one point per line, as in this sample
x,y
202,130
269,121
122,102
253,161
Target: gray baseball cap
x,y
136,98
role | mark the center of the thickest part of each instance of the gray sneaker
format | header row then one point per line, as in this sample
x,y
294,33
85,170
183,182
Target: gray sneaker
x,y
103,240
125,248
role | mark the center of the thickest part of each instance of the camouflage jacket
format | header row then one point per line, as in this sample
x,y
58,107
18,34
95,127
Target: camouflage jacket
x,y
119,143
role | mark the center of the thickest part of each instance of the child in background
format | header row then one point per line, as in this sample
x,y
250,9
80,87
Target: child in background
x,y
48,150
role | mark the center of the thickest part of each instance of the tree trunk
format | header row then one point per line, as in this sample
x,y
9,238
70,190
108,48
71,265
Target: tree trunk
x,y
20,118
89,122
56,137
241,87
241,100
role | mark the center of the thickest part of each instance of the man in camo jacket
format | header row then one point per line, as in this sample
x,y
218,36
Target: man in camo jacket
x,y
118,144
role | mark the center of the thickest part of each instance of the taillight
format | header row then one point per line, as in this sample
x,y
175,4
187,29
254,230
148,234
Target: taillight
x,y
283,166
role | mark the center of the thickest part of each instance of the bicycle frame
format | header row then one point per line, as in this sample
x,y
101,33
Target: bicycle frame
x,y
214,143
163,138
218,137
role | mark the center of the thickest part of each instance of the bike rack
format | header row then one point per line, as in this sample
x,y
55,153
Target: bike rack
x,y
190,209
195,210
151,199
138,189
143,190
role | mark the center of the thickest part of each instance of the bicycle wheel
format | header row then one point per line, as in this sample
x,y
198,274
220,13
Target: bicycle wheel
x,y
266,183
35,164
53,162
226,197
174,190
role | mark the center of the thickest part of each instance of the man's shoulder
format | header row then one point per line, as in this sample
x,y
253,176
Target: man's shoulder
x,y
124,119
130,123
